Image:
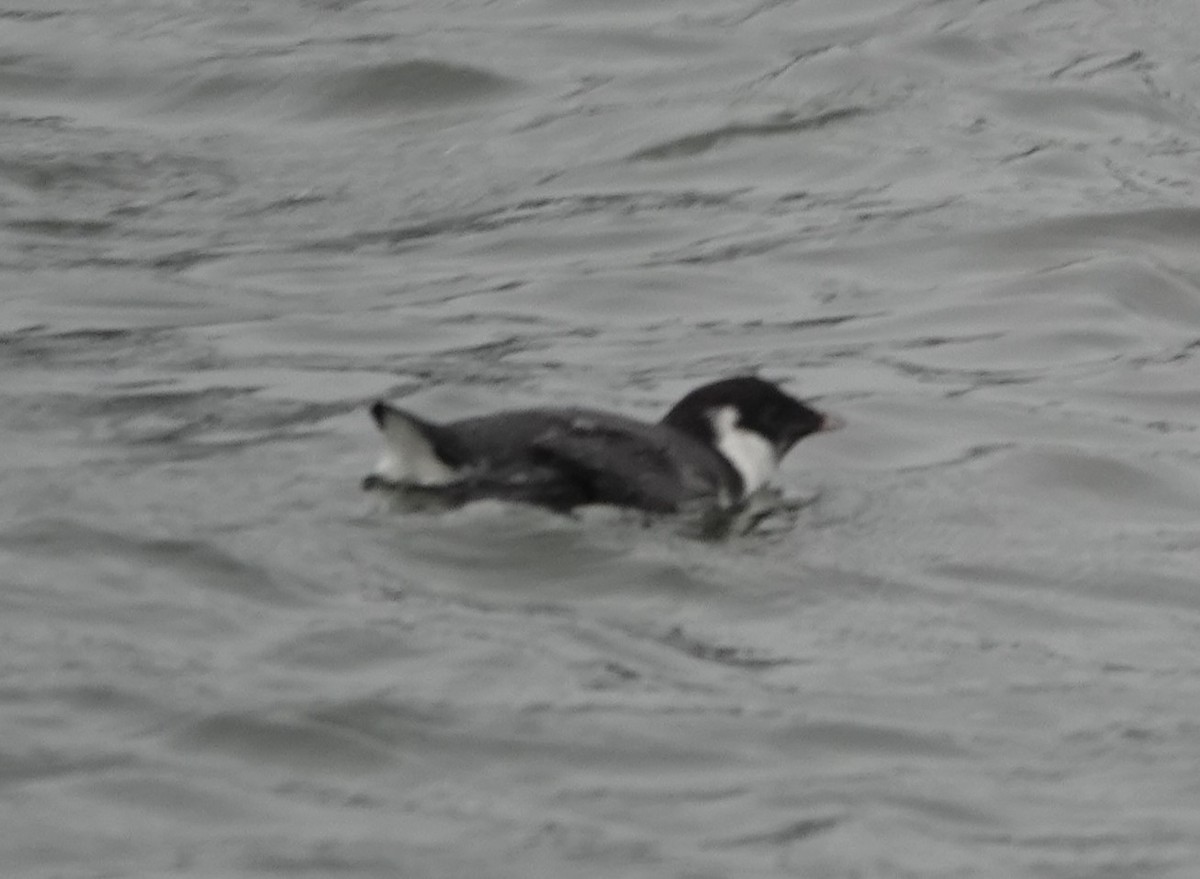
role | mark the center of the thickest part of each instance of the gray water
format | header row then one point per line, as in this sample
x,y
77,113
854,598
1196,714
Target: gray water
x,y
971,229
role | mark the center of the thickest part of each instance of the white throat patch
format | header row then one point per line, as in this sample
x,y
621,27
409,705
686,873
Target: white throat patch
x,y
410,457
749,452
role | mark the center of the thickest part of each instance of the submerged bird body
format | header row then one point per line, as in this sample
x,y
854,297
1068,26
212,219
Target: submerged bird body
x,y
714,448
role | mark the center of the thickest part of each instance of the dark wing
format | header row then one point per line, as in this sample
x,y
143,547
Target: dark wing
x,y
621,464
566,458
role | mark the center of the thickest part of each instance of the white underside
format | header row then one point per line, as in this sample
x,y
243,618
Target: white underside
x,y
750,454
410,457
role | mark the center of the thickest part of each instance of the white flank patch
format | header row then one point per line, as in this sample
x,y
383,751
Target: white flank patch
x,y
749,453
410,457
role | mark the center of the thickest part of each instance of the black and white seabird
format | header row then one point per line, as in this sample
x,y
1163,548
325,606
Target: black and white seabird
x,y
714,449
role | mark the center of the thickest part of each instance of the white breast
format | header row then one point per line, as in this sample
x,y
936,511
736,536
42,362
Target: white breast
x,y
750,454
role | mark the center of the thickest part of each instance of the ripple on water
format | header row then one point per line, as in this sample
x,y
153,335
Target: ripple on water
x,y
1108,487
374,91
141,573
283,738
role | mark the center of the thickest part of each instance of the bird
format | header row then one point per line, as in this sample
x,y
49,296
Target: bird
x,y
714,449
712,452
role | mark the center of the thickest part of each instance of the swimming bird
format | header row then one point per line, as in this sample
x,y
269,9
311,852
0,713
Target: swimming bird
x,y
713,450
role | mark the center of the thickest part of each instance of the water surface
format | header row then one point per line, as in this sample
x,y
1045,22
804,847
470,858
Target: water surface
x,y
970,229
